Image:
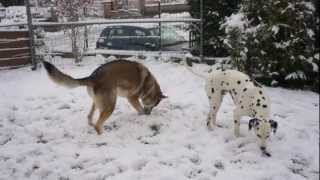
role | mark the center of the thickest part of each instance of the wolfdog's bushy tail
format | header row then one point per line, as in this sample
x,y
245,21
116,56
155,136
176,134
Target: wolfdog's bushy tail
x,y
64,79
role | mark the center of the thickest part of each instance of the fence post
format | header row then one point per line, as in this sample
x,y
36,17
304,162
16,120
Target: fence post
x,y
31,37
201,31
160,29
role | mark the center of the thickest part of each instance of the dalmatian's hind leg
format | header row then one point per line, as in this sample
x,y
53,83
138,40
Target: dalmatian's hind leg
x,y
215,102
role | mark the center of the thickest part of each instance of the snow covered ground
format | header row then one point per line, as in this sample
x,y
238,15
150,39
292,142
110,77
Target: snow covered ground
x,y
44,132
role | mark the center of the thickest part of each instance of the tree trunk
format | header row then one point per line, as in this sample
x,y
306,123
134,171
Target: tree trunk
x,y
75,48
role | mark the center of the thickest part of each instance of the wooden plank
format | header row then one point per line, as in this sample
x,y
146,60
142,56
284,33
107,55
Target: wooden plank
x,y
14,52
16,61
13,34
14,44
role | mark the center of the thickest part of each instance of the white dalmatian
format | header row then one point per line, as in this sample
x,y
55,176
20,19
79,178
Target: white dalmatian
x,y
249,98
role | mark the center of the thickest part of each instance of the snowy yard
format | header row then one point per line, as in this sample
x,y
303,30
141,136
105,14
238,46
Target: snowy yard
x,y
44,132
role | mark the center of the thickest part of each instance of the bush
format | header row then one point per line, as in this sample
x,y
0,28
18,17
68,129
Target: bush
x,y
275,40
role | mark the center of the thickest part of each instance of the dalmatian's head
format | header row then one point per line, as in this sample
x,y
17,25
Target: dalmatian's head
x,y
263,129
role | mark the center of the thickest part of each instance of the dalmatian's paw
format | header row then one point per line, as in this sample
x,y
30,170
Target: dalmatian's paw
x,y
210,126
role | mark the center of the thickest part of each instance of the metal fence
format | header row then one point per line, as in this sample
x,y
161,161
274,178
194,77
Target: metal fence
x,y
160,35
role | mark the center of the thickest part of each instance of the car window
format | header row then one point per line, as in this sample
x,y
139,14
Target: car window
x,y
119,32
104,33
170,36
139,32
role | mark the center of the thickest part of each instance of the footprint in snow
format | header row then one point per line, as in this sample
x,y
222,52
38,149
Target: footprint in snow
x,y
111,127
155,128
64,106
139,164
194,173
219,165
195,160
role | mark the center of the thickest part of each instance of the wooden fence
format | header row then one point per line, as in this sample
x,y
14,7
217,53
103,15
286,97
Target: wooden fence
x,y
14,48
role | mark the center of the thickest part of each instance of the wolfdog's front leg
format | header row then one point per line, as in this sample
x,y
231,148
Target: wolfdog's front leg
x,y
134,101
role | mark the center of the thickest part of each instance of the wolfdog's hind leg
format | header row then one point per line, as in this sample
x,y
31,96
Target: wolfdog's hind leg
x,y
91,113
104,115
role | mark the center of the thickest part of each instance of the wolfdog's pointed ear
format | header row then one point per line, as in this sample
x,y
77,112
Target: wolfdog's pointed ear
x,y
163,96
274,125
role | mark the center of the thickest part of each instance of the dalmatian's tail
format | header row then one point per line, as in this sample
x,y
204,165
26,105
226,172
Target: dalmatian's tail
x,y
187,63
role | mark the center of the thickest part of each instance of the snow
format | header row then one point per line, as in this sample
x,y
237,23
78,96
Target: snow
x,y
296,75
17,14
235,21
275,29
44,132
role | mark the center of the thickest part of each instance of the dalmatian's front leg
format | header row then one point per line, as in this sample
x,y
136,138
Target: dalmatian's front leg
x,y
211,120
236,117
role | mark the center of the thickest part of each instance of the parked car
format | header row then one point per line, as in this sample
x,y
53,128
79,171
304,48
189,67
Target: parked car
x,y
125,37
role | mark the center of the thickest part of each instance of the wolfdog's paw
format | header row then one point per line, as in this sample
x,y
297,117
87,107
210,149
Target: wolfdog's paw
x,y
90,123
98,130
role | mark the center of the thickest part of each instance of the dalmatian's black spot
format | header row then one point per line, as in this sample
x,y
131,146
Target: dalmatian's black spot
x,y
260,92
240,102
258,104
247,80
222,82
223,70
212,90
239,82
264,106
209,97
258,100
227,84
214,107
241,107
263,98
235,121
245,89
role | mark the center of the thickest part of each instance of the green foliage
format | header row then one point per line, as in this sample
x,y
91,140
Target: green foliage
x,y
277,42
214,13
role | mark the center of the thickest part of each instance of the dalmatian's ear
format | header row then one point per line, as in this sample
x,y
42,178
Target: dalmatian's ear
x,y
274,125
252,123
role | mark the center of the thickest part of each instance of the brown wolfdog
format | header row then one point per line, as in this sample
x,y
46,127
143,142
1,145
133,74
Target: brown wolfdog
x,y
118,78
